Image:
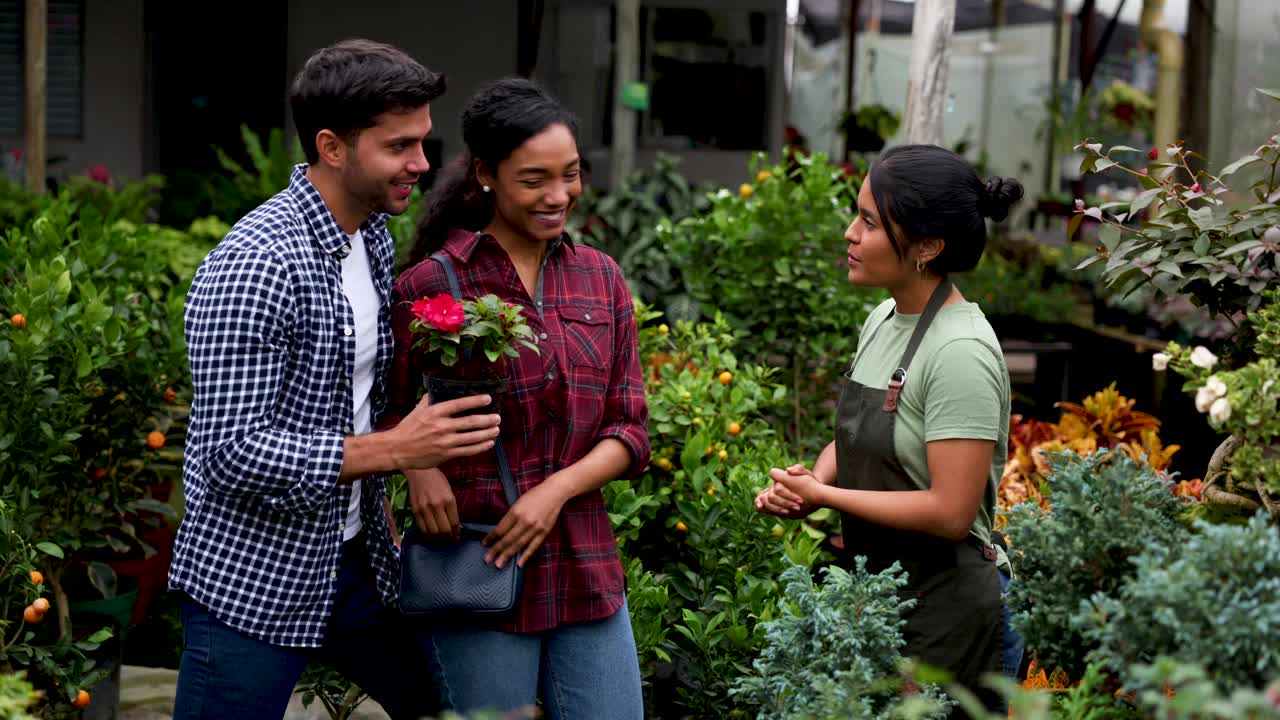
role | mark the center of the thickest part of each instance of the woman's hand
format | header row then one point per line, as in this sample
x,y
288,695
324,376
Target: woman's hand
x,y
798,489
435,509
526,524
780,501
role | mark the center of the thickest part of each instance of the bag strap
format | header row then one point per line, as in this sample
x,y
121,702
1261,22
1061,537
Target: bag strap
x,y
504,467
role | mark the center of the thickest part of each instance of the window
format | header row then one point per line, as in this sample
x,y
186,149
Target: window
x,y
64,47
709,73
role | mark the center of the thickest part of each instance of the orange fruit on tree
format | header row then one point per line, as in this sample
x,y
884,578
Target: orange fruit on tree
x,y
762,176
82,699
37,578
734,428
99,473
746,191
170,395
663,463
680,526
726,377
155,439
19,321
32,615
724,454
41,605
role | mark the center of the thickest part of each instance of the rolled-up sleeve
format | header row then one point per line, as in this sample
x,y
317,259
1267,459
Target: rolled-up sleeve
x,y
237,316
626,412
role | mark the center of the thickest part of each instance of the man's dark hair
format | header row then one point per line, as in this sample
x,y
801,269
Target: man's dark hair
x,y
346,86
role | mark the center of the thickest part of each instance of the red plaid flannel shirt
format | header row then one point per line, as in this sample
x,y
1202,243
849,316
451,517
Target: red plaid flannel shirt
x,y
585,385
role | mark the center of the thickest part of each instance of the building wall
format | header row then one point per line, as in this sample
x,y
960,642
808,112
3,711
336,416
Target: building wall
x,y
470,41
114,123
1246,57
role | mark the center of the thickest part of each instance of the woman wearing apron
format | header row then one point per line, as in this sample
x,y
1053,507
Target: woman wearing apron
x,y
921,432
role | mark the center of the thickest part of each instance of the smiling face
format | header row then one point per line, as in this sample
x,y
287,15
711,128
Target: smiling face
x,y
536,187
872,260
386,161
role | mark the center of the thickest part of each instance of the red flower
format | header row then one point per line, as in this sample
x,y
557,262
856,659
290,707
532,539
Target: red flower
x,y
1195,187
1153,154
99,173
17,154
441,312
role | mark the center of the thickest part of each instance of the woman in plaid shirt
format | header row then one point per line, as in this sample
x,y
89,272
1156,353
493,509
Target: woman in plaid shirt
x,y
574,417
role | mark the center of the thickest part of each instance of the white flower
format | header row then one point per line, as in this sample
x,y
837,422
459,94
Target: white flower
x,y
1216,385
1220,411
1173,151
1095,147
1204,398
1160,362
1212,391
1202,358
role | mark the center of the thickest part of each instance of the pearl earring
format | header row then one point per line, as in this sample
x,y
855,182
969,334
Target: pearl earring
x,y
485,188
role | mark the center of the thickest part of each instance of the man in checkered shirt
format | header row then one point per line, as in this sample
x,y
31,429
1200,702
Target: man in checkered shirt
x,y
287,552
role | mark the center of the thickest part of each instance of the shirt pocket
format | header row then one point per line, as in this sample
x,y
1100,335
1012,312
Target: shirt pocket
x,y
588,338
588,335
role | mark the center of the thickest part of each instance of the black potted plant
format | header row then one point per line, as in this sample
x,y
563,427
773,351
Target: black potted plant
x,y
468,341
868,128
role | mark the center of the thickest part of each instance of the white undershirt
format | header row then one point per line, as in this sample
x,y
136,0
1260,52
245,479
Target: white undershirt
x,y
357,284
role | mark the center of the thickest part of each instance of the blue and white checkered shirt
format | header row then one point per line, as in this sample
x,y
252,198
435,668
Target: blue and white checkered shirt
x,y
271,344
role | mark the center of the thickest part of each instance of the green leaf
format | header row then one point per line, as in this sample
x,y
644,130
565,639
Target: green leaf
x,y
1240,247
63,285
1143,199
1104,165
1074,224
1088,261
1273,94
1233,167
49,548
1109,236
1202,245
1169,267
1122,148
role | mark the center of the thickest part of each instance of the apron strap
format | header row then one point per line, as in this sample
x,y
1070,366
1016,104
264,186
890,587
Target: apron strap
x,y
938,297
899,378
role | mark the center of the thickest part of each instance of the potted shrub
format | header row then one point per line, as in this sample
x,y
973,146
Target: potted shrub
x,y
468,341
1216,239
869,127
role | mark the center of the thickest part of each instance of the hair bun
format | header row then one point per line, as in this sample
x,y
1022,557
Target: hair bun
x,y
999,194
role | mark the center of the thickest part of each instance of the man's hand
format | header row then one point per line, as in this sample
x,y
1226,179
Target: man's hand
x,y
434,508
526,524
431,435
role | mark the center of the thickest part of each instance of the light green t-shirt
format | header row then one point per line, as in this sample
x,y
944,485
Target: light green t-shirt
x,y
957,388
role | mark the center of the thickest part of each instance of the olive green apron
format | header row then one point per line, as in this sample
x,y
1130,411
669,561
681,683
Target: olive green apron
x,y
957,622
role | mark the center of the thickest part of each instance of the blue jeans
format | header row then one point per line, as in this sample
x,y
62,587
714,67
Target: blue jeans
x,y
227,674
580,670
1011,654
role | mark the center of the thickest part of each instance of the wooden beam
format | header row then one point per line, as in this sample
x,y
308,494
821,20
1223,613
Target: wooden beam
x,y
626,59
1197,86
853,7
931,28
35,100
